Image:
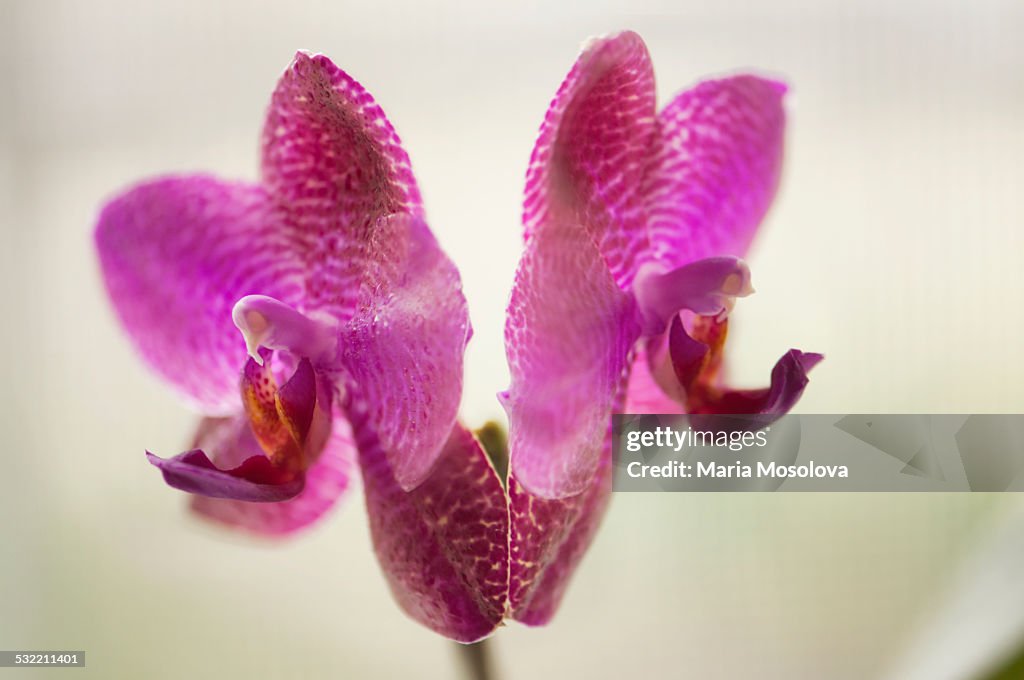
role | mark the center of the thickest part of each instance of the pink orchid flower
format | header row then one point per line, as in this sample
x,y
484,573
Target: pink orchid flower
x,y
635,223
321,299
296,312
316,323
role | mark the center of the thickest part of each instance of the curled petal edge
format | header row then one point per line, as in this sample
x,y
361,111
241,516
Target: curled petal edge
x,y
255,480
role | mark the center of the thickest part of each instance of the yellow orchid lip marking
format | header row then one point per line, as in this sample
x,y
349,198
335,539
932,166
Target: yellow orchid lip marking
x,y
280,424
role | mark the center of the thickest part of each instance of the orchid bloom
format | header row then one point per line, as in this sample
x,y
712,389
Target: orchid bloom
x,y
316,323
635,223
296,313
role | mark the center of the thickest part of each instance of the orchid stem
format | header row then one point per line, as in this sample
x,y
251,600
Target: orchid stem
x,y
494,439
477,660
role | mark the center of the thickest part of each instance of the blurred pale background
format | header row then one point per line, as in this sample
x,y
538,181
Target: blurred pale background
x,y
894,248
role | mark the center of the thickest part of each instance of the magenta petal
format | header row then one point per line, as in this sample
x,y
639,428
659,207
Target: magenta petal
x,y
255,480
714,168
404,347
176,253
332,160
589,160
327,479
443,546
568,335
548,540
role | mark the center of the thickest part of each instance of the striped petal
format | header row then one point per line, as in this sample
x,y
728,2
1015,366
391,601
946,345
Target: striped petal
x,y
589,159
570,327
714,168
568,335
176,254
334,164
403,349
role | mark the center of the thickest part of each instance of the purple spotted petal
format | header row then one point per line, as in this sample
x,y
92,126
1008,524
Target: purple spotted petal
x,y
714,168
588,163
327,479
256,479
443,546
568,335
403,349
570,327
176,254
333,162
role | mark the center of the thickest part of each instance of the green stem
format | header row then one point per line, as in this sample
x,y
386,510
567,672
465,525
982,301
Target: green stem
x,y
476,658
494,439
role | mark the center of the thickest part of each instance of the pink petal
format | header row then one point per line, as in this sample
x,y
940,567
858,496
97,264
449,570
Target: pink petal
x,y
333,161
403,349
548,540
568,335
256,479
714,168
443,546
588,163
231,439
176,253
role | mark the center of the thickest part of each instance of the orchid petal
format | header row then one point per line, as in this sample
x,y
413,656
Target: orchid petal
x,y
404,347
256,479
568,335
443,546
176,253
714,168
327,479
589,159
332,160
548,539
333,157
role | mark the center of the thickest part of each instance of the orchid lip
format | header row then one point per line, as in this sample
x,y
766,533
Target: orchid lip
x,y
267,322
